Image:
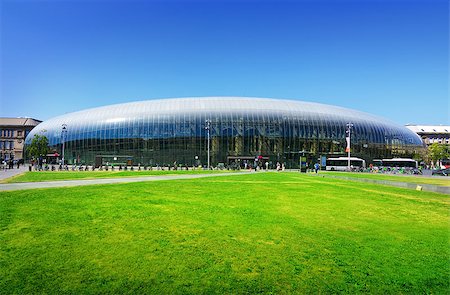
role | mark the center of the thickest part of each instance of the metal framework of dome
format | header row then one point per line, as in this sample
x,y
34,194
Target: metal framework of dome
x,y
164,131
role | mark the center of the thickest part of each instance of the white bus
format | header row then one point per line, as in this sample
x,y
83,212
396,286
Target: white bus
x,y
399,163
341,164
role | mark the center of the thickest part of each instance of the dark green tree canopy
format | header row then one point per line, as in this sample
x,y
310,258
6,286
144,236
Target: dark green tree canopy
x,y
38,146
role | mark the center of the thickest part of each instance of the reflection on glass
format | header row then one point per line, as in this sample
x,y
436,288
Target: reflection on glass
x,y
161,132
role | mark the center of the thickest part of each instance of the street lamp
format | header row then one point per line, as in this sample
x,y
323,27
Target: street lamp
x,y
208,128
349,132
302,160
63,137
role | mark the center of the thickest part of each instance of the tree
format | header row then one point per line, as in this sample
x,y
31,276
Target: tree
x,y
438,152
38,146
422,155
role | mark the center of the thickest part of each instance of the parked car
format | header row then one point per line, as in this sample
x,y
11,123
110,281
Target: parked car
x,y
443,172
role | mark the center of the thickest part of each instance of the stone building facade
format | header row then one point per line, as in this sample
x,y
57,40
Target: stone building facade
x,y
12,136
432,133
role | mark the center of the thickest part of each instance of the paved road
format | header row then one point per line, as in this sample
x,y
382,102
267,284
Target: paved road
x,y
65,183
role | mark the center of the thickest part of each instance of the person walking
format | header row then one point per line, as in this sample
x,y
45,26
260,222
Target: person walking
x,y
316,167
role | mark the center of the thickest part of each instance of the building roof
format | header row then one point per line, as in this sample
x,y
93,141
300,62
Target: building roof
x,y
429,129
19,122
213,106
199,109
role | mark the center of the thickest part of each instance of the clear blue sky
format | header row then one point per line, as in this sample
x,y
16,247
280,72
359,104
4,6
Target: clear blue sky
x,y
389,58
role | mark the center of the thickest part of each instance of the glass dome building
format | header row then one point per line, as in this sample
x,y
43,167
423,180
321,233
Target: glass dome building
x,y
165,131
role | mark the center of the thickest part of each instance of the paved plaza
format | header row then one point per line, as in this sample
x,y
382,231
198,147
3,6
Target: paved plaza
x,y
7,173
66,183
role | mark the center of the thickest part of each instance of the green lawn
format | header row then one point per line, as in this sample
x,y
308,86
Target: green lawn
x,y
36,176
256,233
393,177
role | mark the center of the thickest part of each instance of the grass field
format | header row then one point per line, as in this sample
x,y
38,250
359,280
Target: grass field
x,y
36,176
443,181
256,233
67,175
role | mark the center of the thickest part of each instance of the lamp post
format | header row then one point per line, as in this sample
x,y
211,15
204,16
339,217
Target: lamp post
x,y
349,132
302,160
63,137
208,128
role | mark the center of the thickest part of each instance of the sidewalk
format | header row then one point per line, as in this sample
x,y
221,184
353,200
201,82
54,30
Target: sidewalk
x,y
12,172
67,183
408,185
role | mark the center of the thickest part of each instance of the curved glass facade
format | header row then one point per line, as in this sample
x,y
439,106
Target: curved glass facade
x,y
161,132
